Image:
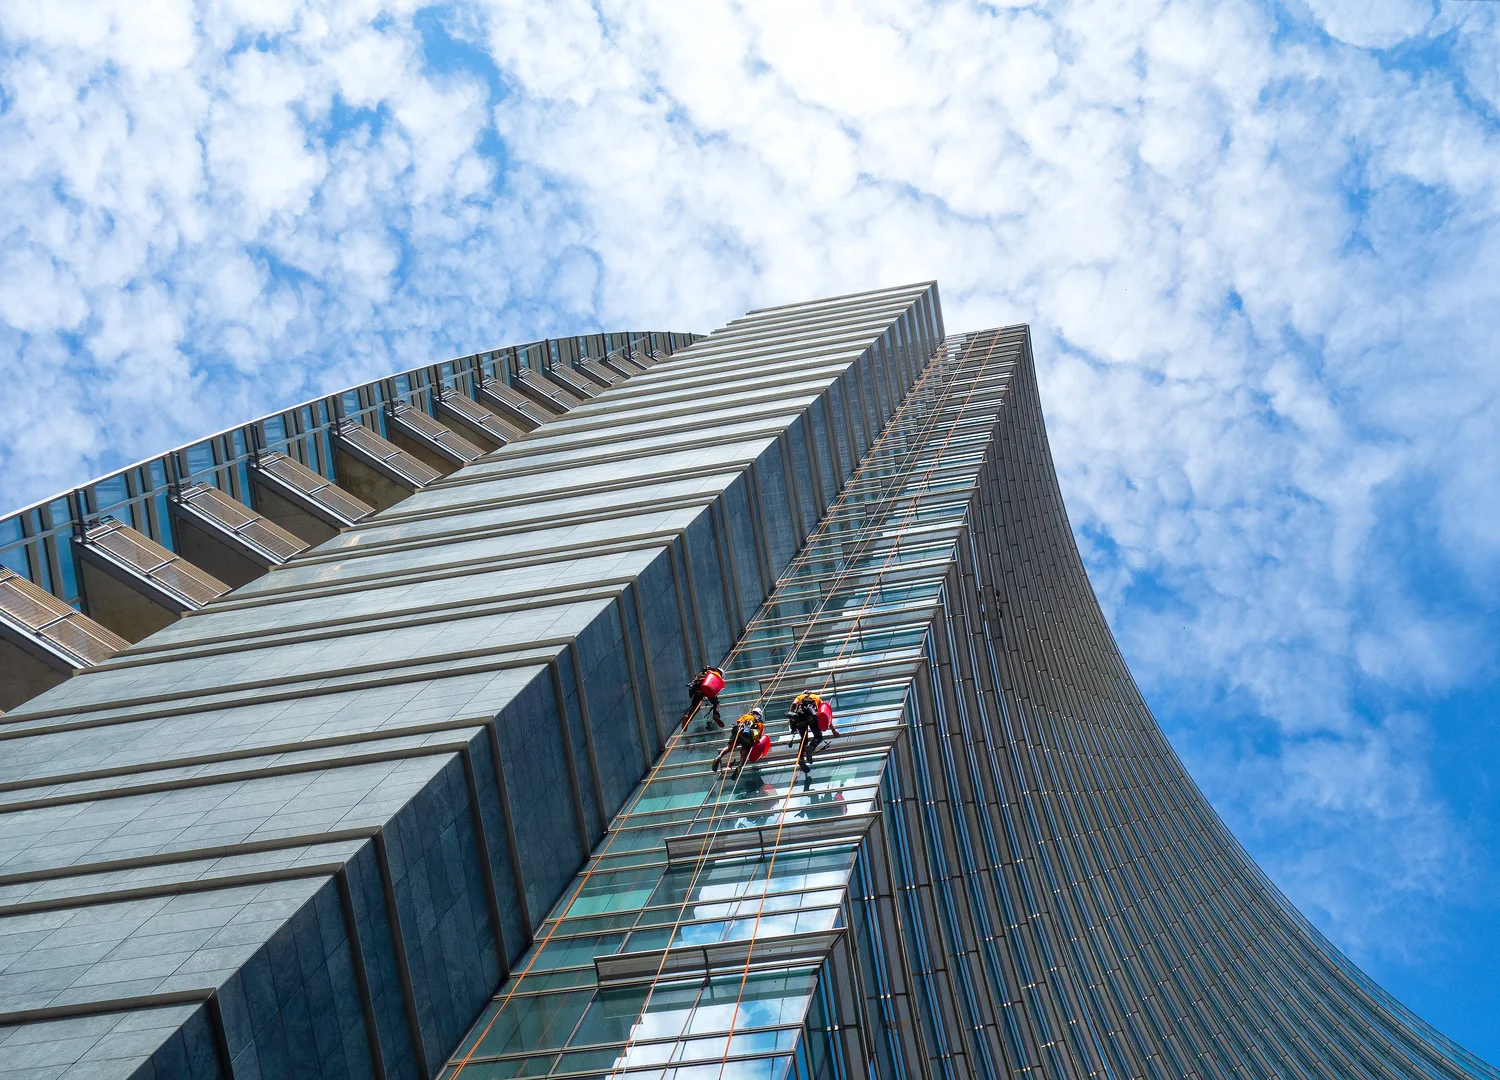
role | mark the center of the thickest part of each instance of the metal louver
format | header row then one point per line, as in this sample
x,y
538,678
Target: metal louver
x,y
602,375
549,394
385,456
330,497
445,441
625,365
147,559
514,405
273,539
32,607
29,610
228,515
470,412
83,638
128,547
570,381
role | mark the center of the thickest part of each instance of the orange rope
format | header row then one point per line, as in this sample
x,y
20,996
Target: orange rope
x,y
801,558
716,820
771,865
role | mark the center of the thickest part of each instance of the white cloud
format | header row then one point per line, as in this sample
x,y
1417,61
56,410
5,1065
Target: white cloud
x,y
142,37
1378,24
36,294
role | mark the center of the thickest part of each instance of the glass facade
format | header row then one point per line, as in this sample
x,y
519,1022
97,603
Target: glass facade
x,y
34,540
416,803
998,867
307,828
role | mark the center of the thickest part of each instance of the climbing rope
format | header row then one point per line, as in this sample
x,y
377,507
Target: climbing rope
x,y
831,518
917,393
771,863
896,484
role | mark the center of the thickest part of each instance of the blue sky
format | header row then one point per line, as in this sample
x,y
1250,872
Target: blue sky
x,y
1258,244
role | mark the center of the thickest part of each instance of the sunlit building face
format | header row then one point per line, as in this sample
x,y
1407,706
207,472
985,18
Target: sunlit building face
x,y
350,743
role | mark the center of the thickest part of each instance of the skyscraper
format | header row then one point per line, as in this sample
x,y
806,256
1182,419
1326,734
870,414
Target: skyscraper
x,y
415,800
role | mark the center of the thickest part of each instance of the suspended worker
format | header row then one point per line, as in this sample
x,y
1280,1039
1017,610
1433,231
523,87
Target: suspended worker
x,y
811,721
706,686
747,738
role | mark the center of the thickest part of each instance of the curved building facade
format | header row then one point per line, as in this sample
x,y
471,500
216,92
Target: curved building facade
x,y
413,801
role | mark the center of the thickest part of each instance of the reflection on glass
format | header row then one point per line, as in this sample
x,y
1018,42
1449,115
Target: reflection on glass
x,y
850,618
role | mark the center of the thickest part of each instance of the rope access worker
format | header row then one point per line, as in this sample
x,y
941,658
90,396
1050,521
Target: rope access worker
x,y
811,721
706,686
748,736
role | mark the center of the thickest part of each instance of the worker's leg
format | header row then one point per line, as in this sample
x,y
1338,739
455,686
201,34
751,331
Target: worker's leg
x,y
714,703
728,751
741,752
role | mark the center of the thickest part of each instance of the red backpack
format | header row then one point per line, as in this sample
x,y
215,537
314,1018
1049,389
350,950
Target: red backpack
x,y
710,683
825,716
761,748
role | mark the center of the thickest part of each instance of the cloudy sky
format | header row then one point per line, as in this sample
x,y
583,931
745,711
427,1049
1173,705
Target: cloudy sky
x,y
1258,245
